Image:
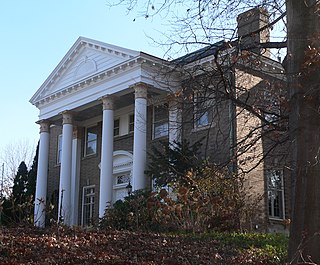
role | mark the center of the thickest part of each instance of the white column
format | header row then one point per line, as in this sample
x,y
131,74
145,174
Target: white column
x,y
75,176
139,138
64,210
175,122
106,168
42,175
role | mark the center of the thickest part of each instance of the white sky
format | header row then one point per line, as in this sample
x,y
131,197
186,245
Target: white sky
x,y
36,34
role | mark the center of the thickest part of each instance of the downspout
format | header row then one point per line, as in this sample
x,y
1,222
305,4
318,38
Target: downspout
x,y
232,118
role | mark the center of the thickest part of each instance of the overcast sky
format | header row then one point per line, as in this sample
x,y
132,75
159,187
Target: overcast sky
x,y
36,34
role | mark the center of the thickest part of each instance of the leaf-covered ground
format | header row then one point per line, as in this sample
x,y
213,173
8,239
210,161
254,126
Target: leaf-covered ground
x,y
76,246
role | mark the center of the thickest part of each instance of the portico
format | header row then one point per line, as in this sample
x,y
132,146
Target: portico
x,y
96,98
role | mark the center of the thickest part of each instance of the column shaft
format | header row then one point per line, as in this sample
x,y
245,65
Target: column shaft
x,y
140,138
64,210
75,177
106,173
42,175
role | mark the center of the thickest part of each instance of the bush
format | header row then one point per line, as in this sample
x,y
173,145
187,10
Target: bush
x,y
211,201
130,214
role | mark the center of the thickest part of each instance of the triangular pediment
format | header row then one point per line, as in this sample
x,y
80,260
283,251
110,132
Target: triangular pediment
x,y
84,59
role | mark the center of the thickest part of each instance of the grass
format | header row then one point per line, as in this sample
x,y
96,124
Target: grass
x,y
271,247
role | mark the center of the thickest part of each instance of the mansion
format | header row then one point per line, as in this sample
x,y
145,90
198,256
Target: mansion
x,y
103,107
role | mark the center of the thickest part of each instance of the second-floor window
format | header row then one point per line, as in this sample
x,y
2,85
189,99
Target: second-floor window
x,y
201,110
116,127
160,121
91,142
131,123
271,108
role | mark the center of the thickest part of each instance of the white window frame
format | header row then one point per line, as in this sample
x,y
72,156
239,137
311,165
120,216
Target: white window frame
x,y
59,149
162,122
86,142
91,205
279,191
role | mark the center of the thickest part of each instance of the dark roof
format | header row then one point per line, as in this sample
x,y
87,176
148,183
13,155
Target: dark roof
x,y
199,54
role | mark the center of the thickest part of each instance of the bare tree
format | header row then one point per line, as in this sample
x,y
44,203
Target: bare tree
x,y
201,22
304,91
11,156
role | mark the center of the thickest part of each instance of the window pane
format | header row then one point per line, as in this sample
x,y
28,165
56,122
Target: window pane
x,y
161,113
275,193
91,136
59,149
275,179
161,129
123,179
91,148
203,105
202,119
116,123
91,142
88,206
116,127
131,123
161,124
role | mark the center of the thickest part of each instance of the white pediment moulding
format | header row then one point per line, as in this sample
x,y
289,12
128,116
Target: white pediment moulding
x,y
122,53
94,79
87,81
87,76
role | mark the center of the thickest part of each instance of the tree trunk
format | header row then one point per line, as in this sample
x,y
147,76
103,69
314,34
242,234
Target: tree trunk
x,y
304,93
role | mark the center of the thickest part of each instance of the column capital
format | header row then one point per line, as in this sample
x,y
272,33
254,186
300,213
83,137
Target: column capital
x,y
44,125
67,117
107,102
140,90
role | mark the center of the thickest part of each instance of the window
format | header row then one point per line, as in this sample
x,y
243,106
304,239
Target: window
x,y
59,149
131,123
160,121
122,179
88,205
202,109
116,127
91,142
275,194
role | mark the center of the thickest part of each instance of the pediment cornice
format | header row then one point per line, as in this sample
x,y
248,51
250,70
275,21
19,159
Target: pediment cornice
x,y
82,43
99,77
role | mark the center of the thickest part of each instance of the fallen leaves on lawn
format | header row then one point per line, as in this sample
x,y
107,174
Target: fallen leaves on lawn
x,y
79,246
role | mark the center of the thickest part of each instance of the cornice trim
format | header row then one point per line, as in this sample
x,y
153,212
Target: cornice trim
x,y
97,78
